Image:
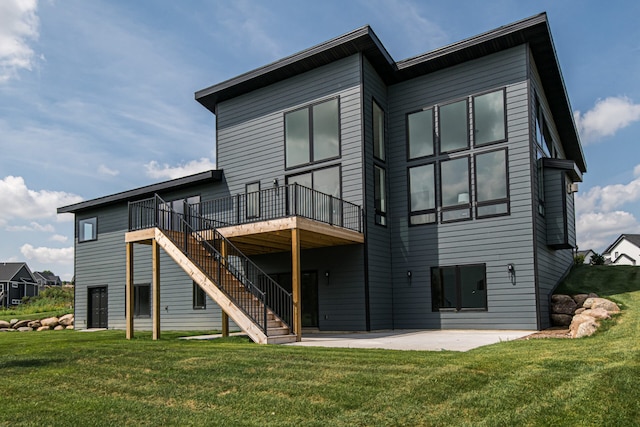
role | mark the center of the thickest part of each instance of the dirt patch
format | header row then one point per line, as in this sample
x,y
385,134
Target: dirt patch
x,y
555,332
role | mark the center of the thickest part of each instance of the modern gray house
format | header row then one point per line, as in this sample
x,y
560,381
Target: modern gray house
x,y
353,193
16,282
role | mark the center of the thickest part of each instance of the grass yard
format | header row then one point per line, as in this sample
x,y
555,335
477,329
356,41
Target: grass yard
x,y
72,378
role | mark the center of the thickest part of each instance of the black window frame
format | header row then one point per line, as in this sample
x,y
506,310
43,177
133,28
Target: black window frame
x,y
504,118
380,213
94,231
433,211
199,297
434,125
506,200
137,300
309,109
255,212
375,104
436,292
466,124
460,206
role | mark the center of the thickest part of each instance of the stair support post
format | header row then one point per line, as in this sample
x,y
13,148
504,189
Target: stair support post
x,y
156,288
296,280
129,290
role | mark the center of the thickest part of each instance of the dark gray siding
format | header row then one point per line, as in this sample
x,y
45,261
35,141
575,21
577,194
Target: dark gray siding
x,y
103,263
551,265
378,237
250,141
494,241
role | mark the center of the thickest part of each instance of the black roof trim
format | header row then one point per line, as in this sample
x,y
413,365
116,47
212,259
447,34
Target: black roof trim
x,y
533,31
142,192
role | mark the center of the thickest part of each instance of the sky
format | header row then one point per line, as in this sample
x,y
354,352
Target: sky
x,y
97,97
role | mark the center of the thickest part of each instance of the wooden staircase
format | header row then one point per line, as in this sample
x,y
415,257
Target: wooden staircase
x,y
214,273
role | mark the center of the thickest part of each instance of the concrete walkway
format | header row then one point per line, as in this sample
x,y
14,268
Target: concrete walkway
x,y
411,339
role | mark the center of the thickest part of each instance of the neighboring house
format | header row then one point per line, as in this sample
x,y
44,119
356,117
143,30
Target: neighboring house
x,y
45,279
588,254
353,193
624,251
16,281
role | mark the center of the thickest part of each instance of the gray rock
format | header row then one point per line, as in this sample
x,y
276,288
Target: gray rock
x,y
580,310
4,324
562,304
580,299
24,329
561,319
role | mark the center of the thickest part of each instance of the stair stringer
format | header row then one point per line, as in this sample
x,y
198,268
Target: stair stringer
x,y
236,314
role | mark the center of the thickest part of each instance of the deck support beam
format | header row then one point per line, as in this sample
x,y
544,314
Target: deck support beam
x,y
129,290
296,279
156,288
225,324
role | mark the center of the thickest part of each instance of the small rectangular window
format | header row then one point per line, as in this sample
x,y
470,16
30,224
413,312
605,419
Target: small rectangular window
x,y
420,134
460,287
142,300
380,192
378,132
87,229
253,200
199,297
422,194
489,119
454,126
455,189
492,188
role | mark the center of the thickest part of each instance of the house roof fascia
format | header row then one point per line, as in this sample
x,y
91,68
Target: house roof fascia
x,y
141,192
533,31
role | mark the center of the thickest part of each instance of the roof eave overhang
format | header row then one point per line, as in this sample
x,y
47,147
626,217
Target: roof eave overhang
x,y
146,191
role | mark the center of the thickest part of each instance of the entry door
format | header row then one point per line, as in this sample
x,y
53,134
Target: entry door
x,y
97,310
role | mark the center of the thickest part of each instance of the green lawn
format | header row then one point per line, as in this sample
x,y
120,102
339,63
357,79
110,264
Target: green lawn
x,y
73,378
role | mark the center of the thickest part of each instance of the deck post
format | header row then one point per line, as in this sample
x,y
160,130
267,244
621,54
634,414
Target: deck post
x,y
225,316
129,290
225,324
296,280
156,288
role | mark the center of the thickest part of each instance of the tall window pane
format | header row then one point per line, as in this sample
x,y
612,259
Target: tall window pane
x,y
378,132
380,195
420,134
297,137
454,129
326,132
489,118
473,293
491,176
455,182
253,200
199,298
422,194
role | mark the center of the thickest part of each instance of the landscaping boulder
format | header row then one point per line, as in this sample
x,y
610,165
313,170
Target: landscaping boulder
x,y
597,313
24,329
66,320
4,324
59,328
580,299
51,322
13,322
576,330
561,319
35,324
604,303
580,310
563,304
43,328
21,324
70,327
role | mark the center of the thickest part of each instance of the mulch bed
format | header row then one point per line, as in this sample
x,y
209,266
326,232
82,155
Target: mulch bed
x,y
554,332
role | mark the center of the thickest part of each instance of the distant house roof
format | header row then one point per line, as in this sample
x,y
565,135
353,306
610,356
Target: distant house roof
x,y
52,278
9,271
585,252
146,191
632,238
622,257
534,31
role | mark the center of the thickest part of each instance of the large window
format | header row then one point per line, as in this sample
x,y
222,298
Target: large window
x,y
318,206
492,188
454,189
460,287
380,192
312,134
454,126
142,300
199,297
422,194
420,134
378,132
489,119
87,229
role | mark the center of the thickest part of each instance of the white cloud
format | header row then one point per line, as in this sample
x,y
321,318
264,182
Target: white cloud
x,y
18,25
103,170
34,226
609,197
18,201
606,117
46,255
59,238
155,170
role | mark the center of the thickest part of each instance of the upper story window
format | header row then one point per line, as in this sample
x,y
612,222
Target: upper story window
x,y
420,134
454,128
380,194
379,171
422,193
87,229
378,132
312,134
489,118
492,187
455,189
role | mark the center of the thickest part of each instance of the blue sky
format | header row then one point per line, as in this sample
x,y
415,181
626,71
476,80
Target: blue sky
x,y
97,97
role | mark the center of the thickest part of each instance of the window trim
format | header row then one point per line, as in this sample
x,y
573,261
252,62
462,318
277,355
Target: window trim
x,y
198,289
458,306
460,207
81,237
506,200
434,125
434,210
309,107
504,111
467,126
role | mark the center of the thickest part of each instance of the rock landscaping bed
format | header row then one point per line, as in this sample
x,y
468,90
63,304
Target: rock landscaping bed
x,y
50,323
581,313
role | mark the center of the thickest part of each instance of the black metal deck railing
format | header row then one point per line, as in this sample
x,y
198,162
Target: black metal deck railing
x,y
252,290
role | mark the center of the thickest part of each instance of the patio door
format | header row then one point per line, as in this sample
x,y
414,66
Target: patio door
x,y
323,207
